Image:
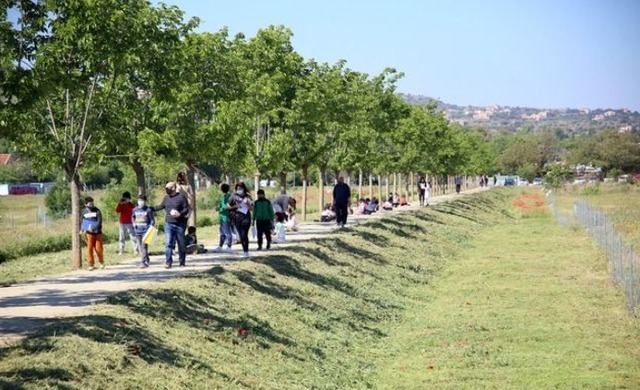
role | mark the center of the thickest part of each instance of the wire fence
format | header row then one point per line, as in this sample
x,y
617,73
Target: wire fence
x,y
624,262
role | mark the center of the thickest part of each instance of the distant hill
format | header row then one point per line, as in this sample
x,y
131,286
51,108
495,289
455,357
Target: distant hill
x,y
505,118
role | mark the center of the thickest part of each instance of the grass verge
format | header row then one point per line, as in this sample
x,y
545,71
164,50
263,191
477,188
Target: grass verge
x,y
331,313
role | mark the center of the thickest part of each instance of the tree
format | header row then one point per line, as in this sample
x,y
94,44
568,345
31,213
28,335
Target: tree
x,y
72,75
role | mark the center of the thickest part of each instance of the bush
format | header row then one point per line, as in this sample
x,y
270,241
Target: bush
x,y
209,200
204,222
614,173
58,200
591,190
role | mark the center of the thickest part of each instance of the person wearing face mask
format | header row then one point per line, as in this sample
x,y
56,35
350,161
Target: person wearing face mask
x,y
240,204
92,226
142,219
125,208
175,223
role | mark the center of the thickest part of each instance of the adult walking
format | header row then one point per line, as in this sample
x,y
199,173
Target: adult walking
x,y
240,205
224,220
422,189
458,181
341,201
175,223
125,228
187,191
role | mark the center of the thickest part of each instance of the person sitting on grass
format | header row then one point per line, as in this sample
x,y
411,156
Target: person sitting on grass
x,y
263,218
361,208
372,206
387,205
142,220
395,200
403,201
92,226
191,242
327,214
280,230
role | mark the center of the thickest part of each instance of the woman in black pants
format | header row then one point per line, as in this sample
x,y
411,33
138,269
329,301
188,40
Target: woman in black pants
x,y
240,205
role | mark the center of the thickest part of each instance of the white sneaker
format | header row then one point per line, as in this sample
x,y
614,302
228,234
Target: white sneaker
x,y
92,268
217,250
245,254
228,249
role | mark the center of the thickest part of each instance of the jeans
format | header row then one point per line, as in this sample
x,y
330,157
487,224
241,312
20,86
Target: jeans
x,y
421,197
225,234
144,250
243,224
174,233
125,229
342,211
264,227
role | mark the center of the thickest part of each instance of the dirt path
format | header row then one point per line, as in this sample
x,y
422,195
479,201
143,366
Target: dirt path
x,y
25,307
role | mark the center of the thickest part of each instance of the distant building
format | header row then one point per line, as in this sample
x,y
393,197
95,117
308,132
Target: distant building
x,y
6,159
625,129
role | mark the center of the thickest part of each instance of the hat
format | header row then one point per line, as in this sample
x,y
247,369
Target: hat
x,y
171,185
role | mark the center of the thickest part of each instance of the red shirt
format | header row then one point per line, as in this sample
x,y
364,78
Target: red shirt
x,y
126,212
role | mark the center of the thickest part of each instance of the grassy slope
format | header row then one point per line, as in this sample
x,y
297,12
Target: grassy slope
x,y
528,305
330,314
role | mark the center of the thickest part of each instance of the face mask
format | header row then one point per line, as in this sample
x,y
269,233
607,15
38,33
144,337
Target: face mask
x,y
141,203
169,192
90,204
240,191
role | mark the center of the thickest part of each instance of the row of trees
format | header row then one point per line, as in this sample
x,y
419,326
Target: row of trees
x,y
84,81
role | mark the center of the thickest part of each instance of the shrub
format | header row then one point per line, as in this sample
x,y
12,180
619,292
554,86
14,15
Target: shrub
x,y
591,190
614,173
58,200
204,222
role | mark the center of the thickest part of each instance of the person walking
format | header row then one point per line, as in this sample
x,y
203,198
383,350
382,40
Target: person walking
x,y
187,191
427,193
92,226
341,201
175,223
240,205
125,228
422,188
458,181
142,220
226,235
263,218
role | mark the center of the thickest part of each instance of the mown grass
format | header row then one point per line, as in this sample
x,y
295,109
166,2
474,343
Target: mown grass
x,y
316,315
528,304
365,308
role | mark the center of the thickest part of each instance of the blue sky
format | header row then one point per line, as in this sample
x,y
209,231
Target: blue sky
x,y
547,54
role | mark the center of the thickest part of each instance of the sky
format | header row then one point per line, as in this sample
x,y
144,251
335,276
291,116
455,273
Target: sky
x,y
544,54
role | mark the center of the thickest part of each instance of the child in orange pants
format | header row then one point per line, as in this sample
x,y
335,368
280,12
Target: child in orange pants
x,y
92,226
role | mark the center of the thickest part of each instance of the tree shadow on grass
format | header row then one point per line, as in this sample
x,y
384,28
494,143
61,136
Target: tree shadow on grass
x,y
317,253
53,378
373,238
338,244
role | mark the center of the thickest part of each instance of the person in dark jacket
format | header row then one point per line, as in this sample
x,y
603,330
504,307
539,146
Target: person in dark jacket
x,y
92,226
422,190
458,182
175,223
240,205
263,218
341,201
142,220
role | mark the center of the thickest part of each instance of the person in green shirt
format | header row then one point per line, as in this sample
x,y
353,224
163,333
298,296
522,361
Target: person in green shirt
x,y
224,219
263,218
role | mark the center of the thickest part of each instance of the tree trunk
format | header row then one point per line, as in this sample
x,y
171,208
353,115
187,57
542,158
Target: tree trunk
x,y
379,188
305,174
386,185
256,183
321,189
370,186
76,245
359,184
141,184
191,176
283,182
395,183
411,189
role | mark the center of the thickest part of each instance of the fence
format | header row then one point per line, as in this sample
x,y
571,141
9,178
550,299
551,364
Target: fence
x,y
623,261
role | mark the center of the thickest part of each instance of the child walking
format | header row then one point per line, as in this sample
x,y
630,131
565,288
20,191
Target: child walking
x,y
142,220
280,230
125,209
263,218
92,226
